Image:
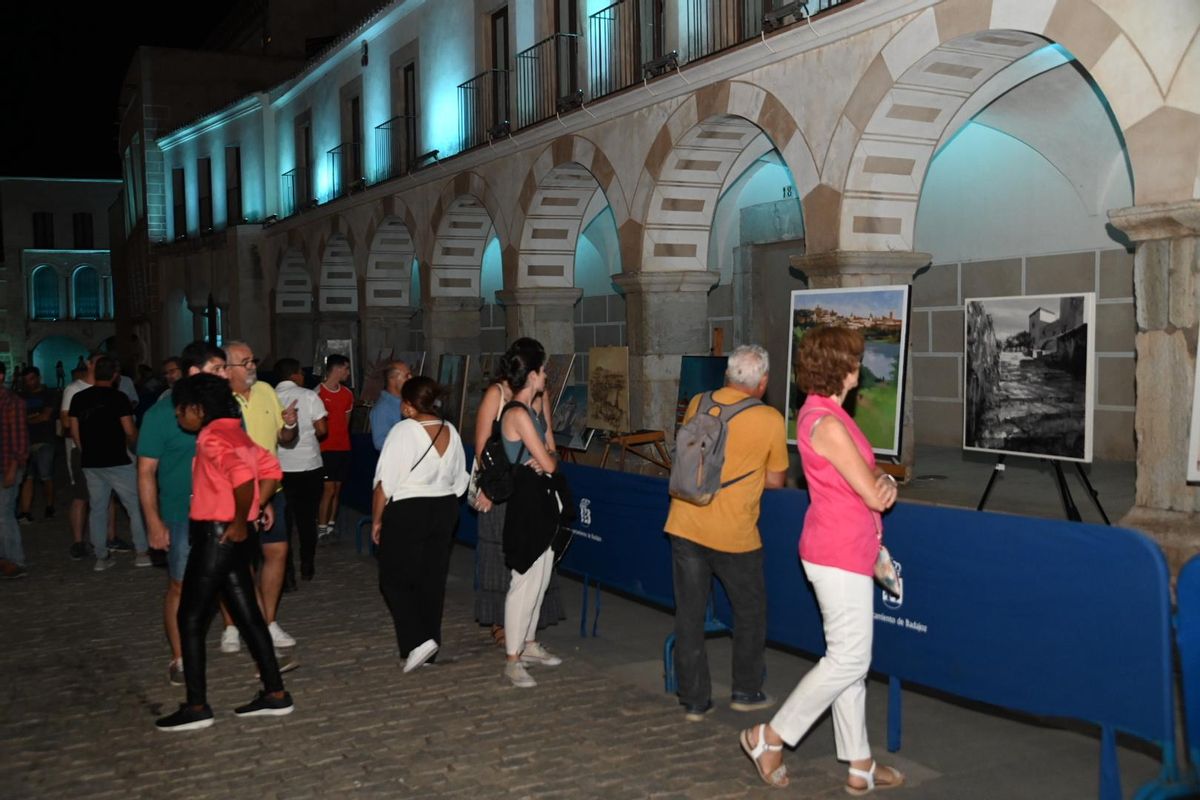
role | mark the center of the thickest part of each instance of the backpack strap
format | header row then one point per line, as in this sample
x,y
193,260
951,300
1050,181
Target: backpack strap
x,y
510,405
727,411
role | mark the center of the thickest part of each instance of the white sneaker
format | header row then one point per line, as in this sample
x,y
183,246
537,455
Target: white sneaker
x,y
515,671
536,654
142,560
231,642
420,654
280,637
104,563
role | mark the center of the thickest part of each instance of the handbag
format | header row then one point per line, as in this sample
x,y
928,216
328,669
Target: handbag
x,y
473,485
887,574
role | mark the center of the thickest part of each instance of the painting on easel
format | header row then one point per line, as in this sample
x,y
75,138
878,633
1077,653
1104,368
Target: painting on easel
x,y
570,419
1029,375
608,389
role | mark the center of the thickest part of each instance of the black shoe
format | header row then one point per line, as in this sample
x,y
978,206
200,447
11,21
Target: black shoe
x,y
750,701
695,713
49,512
119,546
307,571
79,551
25,518
186,719
266,706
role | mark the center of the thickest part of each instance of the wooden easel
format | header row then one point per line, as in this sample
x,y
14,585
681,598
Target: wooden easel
x,y
629,441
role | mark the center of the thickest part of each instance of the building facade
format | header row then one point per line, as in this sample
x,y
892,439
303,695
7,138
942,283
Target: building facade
x,y
446,176
57,271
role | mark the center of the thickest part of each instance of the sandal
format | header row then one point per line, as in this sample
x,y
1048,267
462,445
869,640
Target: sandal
x,y
777,777
895,780
498,635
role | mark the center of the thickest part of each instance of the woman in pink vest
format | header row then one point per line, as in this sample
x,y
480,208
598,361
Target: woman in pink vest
x,y
838,545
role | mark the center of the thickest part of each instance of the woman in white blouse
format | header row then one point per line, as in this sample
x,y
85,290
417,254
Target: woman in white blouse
x,y
421,473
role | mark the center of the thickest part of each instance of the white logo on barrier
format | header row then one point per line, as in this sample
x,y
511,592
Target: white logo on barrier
x,y
585,511
888,599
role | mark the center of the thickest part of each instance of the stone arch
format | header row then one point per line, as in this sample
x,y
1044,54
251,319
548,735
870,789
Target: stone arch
x,y
45,294
389,265
463,228
293,286
87,297
689,163
337,288
936,63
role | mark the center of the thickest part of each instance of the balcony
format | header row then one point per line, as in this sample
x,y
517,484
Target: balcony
x,y
548,79
483,104
395,147
295,192
621,38
345,169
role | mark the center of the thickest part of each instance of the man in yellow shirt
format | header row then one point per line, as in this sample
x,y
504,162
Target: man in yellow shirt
x,y
270,426
722,539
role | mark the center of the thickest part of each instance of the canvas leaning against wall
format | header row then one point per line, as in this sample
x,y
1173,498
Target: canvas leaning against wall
x,y
880,314
1029,372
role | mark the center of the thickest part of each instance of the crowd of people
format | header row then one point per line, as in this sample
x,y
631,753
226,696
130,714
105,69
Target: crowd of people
x,y
223,468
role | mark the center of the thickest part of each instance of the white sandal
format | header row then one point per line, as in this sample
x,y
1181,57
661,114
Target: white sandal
x,y
778,777
869,777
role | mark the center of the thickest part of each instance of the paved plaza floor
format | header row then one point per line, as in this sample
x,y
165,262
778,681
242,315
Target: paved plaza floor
x,y
83,676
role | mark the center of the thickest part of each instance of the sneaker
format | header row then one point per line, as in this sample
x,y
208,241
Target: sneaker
x,y
322,534
231,642
175,673
11,569
263,705
536,654
420,654
104,563
186,719
696,713
519,676
307,571
142,560
79,551
280,637
49,512
25,519
286,661
119,546
751,701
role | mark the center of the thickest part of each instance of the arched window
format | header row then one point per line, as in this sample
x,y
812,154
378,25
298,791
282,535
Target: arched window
x,y
45,293
85,289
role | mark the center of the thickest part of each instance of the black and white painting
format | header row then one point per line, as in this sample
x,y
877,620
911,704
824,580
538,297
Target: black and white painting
x,y
1029,374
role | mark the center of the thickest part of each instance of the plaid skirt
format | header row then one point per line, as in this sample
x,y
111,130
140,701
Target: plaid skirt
x,y
492,576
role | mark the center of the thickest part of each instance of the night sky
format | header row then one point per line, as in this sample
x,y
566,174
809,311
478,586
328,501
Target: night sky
x,y
61,66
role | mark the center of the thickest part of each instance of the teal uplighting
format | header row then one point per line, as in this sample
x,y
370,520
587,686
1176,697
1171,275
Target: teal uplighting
x,y
598,255
415,285
491,279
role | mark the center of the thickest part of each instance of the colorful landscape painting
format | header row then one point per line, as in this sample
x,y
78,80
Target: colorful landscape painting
x,y
880,314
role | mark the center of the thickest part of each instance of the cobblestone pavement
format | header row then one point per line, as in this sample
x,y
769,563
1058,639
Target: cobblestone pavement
x,y
83,676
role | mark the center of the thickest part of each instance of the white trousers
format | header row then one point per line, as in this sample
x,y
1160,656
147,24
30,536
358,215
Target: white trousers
x,y
523,604
839,678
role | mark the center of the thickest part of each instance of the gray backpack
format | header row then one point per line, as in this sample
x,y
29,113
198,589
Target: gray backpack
x,y
700,450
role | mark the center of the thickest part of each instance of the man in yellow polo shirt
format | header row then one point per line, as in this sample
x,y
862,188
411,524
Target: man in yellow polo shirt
x,y
270,426
722,539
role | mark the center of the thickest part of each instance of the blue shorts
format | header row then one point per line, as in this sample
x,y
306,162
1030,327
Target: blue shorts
x,y
177,551
278,532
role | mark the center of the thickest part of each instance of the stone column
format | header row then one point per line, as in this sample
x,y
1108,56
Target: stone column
x,y
451,326
546,314
384,327
666,316
1166,291
840,269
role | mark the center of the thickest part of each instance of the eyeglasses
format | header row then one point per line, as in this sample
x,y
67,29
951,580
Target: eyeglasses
x,y
249,362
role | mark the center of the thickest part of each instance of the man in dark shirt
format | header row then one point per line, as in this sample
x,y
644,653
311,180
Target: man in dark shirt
x,y
102,427
40,406
14,449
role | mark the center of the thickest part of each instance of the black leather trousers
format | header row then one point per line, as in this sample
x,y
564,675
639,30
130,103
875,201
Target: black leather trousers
x,y
221,571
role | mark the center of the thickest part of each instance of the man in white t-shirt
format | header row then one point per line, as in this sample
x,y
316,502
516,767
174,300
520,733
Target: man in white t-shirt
x,y
303,471
77,491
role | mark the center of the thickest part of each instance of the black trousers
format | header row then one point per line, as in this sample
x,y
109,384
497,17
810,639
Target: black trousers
x,y
303,493
414,557
215,571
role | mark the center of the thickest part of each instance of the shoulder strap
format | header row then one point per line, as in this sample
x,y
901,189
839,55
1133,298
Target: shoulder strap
x,y
432,442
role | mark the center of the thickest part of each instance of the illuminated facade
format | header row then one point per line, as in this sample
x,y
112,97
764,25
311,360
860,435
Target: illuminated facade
x,y
446,176
57,285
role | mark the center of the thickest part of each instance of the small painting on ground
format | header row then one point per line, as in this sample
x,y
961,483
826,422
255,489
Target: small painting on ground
x,y
880,314
1028,388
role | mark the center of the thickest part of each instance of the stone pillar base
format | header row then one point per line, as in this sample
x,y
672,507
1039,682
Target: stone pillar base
x,y
666,317
854,268
546,314
1174,531
451,326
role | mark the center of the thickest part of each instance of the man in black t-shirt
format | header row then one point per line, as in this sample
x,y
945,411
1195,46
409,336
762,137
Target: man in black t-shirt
x,y
102,428
41,406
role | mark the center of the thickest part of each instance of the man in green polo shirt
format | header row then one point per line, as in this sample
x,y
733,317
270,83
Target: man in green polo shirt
x,y
164,466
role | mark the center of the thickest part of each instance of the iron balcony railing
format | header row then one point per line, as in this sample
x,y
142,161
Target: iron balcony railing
x,y
395,147
345,168
716,25
483,104
294,192
548,78
621,39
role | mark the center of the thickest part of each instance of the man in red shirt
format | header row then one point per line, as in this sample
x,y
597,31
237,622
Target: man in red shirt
x,y
335,447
